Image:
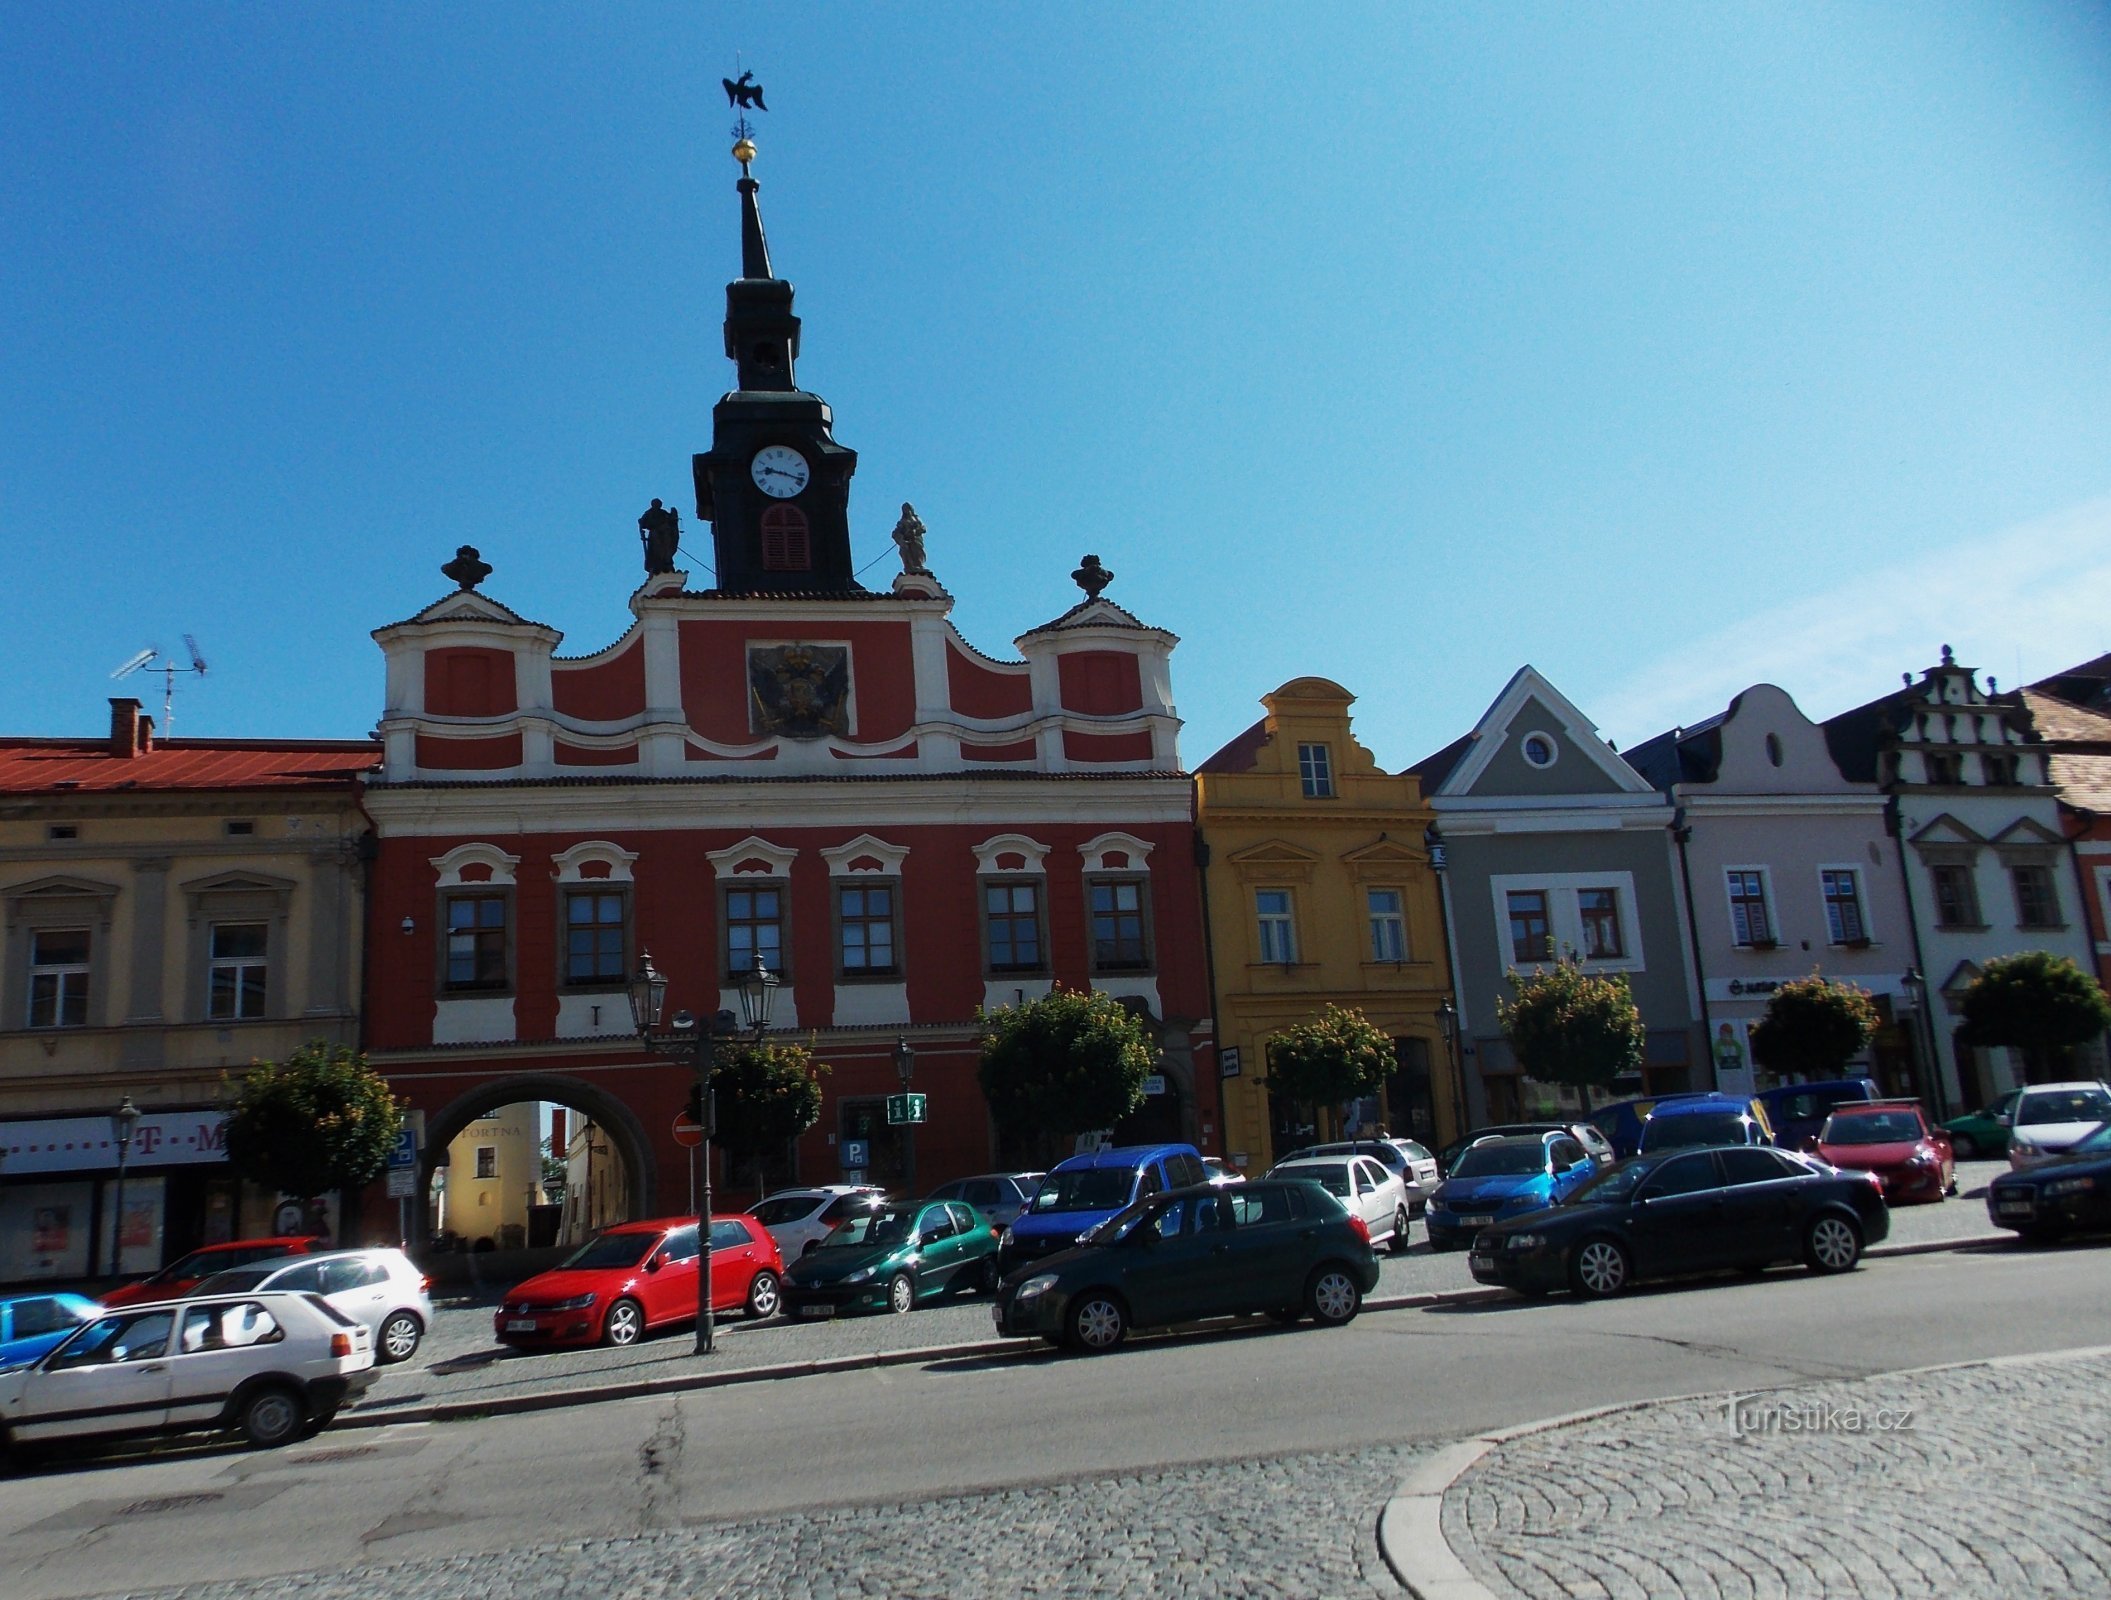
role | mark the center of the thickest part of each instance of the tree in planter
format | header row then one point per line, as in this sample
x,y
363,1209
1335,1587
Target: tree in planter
x,y
1068,1063
1813,1027
1338,1056
1573,1027
768,1094
2038,1003
320,1121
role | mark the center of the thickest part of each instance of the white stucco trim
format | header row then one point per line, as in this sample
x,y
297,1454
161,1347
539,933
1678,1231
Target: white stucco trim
x,y
1862,900
566,868
451,864
1018,844
1095,852
734,859
871,1005
1012,991
576,1017
1766,895
484,1019
1565,917
889,857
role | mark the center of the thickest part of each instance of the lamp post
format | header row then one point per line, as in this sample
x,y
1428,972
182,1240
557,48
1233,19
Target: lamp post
x,y
122,1121
1448,1026
905,1069
1916,992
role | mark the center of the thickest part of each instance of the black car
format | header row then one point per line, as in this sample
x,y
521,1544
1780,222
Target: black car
x,y
1687,1211
1286,1248
2070,1193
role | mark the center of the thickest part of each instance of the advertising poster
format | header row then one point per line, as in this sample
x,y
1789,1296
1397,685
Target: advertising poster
x,y
44,1230
139,1231
316,1216
1732,1049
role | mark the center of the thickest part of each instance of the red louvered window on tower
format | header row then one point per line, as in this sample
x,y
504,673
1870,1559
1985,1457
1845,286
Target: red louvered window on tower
x,y
786,546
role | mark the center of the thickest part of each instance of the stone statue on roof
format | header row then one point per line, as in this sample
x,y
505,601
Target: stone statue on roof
x,y
909,539
660,530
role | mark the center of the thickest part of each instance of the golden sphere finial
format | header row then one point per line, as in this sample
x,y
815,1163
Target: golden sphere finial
x,y
744,151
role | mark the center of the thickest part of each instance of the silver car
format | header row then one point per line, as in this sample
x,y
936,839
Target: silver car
x,y
1000,1196
381,1289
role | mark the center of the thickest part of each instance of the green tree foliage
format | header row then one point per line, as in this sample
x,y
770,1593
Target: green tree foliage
x,y
1334,1057
1065,1064
2039,1003
319,1121
1573,1027
1813,1027
768,1094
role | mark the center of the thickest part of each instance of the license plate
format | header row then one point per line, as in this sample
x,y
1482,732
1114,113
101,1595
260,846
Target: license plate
x,y
1475,1222
521,1325
997,1317
2015,1208
817,1311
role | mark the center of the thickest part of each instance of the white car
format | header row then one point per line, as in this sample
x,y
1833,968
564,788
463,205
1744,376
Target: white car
x,y
1406,1160
274,1366
2049,1118
999,1196
799,1219
1365,1187
381,1288
1222,1173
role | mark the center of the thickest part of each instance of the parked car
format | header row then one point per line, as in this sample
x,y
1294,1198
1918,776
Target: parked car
x,y
1287,1249
185,1273
31,1324
892,1258
1892,1139
628,1280
274,1366
2060,1195
1983,1132
1583,1133
1796,1111
1221,1171
379,1288
1084,1191
1361,1184
1408,1161
1705,1119
1621,1122
2051,1118
1684,1211
1505,1177
799,1219
999,1196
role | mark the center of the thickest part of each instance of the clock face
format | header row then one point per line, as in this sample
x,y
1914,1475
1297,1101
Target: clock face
x,y
779,471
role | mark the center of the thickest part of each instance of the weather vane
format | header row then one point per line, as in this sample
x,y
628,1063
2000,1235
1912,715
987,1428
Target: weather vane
x,y
744,94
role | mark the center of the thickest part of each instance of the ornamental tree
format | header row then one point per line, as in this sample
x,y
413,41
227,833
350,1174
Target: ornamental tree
x,y
2037,1003
768,1094
1573,1027
321,1120
1068,1063
1337,1056
1813,1027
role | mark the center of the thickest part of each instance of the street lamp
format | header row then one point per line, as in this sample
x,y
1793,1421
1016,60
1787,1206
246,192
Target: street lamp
x,y
690,1045
1915,988
1448,1026
905,1069
758,995
122,1121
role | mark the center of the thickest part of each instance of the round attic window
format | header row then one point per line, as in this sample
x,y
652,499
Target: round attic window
x,y
1540,751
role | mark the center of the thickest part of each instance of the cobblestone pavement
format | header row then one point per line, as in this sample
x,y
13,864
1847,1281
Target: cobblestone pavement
x,y
1292,1527
1995,1486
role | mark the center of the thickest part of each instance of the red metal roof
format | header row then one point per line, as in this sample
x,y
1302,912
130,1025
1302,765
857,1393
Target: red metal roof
x,y
86,766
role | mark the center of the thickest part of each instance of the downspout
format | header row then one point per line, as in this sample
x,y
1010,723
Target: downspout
x,y
1681,831
1209,963
1440,864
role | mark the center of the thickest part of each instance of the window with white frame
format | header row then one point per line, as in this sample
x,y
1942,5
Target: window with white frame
x,y
1315,770
1274,923
1750,923
1599,912
1388,924
58,977
1842,888
236,968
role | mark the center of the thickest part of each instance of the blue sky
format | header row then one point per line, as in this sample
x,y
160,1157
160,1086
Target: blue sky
x,y
1666,347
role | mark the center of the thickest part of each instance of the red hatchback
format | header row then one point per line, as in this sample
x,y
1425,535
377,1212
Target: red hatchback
x,y
185,1273
638,1276
1891,1138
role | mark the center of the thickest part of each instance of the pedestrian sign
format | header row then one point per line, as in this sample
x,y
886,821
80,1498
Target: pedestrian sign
x,y
903,1108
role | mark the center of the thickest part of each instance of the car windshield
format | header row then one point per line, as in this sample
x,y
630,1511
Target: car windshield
x,y
2097,1143
782,1208
1499,1158
2065,1105
1085,1189
235,1280
611,1250
884,1225
1332,1176
1614,1185
1871,1127
1694,1128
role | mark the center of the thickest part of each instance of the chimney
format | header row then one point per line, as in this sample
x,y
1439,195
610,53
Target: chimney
x,y
124,727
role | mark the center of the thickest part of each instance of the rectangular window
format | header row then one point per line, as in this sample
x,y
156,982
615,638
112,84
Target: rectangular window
x,y
1315,770
1013,911
754,926
1956,897
1531,934
487,1161
1271,909
1945,767
1118,927
593,936
1843,906
1999,770
2037,906
1600,911
58,978
1388,924
235,971
1748,914
476,941
865,929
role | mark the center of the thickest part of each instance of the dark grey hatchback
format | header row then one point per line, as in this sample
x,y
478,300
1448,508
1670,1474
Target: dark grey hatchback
x,y
1287,1249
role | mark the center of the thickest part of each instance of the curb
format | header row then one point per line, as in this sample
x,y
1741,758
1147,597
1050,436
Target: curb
x,y
640,1388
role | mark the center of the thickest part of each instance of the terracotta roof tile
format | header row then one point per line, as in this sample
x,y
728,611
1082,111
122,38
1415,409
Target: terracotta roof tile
x,y
86,766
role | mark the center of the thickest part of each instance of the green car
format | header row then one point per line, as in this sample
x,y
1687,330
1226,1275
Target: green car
x,y
1983,1135
891,1258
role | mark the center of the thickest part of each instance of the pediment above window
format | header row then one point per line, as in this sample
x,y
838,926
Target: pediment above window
x,y
1116,852
474,864
1011,852
865,856
593,861
1947,833
753,857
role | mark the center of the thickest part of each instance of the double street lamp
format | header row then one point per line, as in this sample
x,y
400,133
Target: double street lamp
x,y
1915,989
122,1121
692,1046
1448,1026
905,1069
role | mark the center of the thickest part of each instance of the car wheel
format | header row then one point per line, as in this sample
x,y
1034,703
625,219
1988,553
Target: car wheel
x,y
1400,1239
809,1248
400,1333
1965,1146
1333,1297
988,1276
1601,1268
272,1417
319,1421
1832,1244
901,1293
626,1321
764,1296
1098,1323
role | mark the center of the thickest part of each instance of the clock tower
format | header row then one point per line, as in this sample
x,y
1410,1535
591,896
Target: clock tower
x,y
775,485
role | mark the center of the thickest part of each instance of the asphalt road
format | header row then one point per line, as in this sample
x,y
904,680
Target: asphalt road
x,y
1393,1381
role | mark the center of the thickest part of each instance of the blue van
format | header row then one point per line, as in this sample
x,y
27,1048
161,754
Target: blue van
x,y
1799,1110
1086,1190
1705,1119
1621,1122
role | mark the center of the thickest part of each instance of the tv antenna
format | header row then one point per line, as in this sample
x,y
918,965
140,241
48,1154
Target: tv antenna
x,y
152,659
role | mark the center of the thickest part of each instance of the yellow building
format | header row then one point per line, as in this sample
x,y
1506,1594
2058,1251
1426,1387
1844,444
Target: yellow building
x,y
1319,890
492,1175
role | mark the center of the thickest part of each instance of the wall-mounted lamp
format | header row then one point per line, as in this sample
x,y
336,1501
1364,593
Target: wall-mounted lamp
x,y
410,925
